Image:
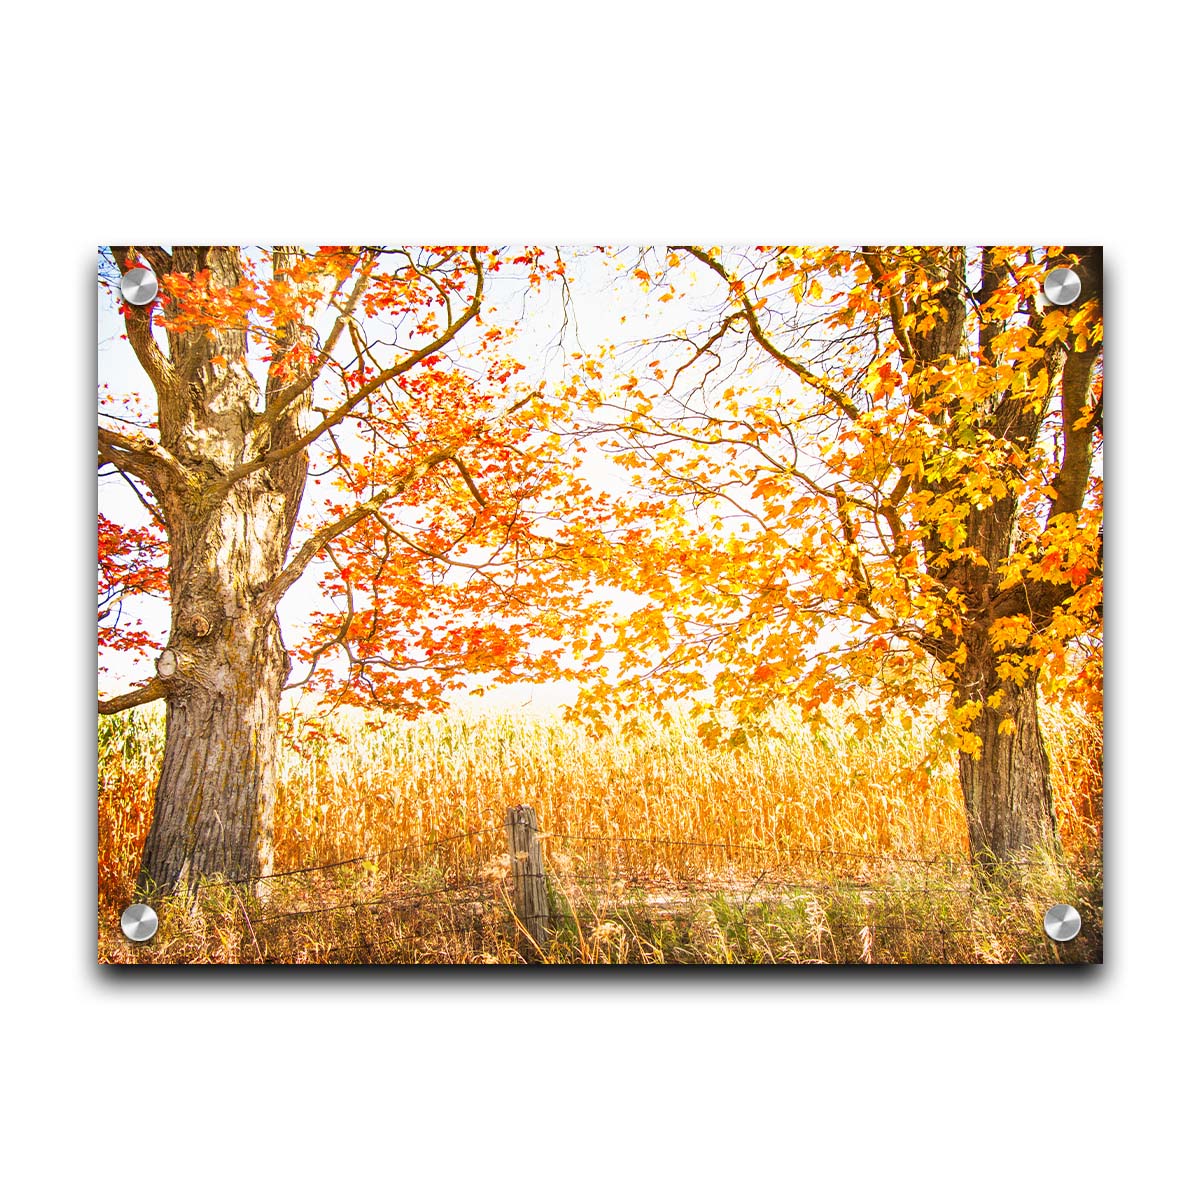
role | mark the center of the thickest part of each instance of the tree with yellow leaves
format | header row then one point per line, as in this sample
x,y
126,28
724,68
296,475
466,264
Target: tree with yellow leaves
x,y
867,477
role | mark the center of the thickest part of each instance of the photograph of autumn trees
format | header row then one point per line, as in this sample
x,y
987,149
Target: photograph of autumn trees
x,y
600,605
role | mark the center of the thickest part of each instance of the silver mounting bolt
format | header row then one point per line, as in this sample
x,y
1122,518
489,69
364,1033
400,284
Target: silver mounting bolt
x,y
139,922
139,286
1061,923
1062,286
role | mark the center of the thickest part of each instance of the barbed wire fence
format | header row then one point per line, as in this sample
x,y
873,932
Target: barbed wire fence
x,y
538,900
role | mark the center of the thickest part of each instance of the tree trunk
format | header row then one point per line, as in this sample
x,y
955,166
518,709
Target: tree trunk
x,y
215,797
224,669
1006,789
224,666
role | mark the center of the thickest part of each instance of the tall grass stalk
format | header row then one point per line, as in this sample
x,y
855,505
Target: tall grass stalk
x,y
421,805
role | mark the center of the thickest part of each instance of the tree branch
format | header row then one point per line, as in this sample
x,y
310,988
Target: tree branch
x,y
279,406
756,332
160,261
270,596
139,325
152,509
870,255
1034,598
145,458
1071,480
1079,373
344,409
154,690
471,485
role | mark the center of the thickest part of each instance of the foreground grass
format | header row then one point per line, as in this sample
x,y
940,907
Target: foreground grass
x,y
929,916
811,847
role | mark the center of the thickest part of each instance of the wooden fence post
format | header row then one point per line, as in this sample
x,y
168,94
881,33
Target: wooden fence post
x,y
529,876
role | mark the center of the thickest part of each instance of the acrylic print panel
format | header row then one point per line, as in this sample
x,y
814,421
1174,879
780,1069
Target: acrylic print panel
x,y
669,605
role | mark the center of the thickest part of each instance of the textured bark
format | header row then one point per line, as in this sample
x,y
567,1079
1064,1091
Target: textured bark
x,y
1006,789
224,666
215,797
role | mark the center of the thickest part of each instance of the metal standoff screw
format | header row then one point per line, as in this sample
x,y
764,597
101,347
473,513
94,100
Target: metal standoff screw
x,y
139,922
139,286
1061,923
1062,286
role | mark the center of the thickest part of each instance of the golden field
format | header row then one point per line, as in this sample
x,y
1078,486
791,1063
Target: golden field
x,y
811,845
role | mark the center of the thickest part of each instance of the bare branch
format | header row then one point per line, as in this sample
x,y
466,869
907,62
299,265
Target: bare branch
x,y
279,406
756,331
138,326
143,457
152,509
154,690
274,591
462,470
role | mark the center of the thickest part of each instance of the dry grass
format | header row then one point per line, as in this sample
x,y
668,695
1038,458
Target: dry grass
x,y
811,846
